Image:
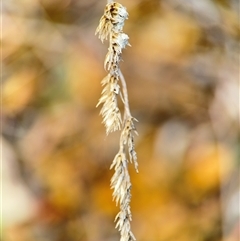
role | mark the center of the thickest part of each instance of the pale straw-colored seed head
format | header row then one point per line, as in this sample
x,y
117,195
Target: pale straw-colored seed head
x,y
112,20
110,28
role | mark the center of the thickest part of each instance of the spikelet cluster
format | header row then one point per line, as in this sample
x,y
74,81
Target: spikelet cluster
x,y
121,183
110,28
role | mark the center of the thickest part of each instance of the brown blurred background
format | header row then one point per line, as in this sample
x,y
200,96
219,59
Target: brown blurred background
x,y
182,73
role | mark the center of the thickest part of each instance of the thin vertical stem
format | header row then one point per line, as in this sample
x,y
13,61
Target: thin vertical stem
x,y
125,96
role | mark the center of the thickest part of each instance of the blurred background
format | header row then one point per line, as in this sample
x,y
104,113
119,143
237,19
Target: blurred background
x,y
182,73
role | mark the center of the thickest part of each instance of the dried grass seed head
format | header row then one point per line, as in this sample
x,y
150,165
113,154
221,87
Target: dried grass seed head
x,y
112,20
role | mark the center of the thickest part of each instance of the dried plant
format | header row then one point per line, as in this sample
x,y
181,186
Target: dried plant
x,y
111,28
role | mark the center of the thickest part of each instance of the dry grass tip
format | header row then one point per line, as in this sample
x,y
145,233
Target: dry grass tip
x,y
111,28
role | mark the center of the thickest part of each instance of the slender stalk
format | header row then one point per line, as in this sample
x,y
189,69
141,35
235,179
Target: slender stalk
x,y
125,96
